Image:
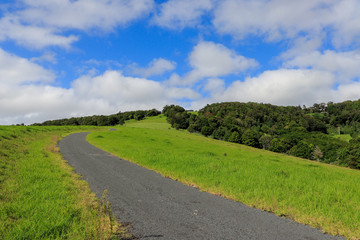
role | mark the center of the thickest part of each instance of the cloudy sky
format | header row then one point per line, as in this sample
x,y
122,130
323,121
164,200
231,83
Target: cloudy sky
x,y
65,58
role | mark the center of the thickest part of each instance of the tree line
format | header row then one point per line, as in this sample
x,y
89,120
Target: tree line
x,y
307,132
102,120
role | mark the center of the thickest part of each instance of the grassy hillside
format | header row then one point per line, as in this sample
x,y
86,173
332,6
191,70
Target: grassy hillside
x,y
40,196
321,195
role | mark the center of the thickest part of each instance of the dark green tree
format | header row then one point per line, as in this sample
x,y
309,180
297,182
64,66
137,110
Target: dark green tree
x,y
250,138
303,150
235,137
206,130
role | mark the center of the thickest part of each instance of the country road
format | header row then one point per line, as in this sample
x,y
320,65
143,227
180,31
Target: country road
x,y
160,208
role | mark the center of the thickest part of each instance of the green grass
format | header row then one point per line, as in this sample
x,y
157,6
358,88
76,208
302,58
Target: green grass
x,y
344,137
40,196
320,195
158,122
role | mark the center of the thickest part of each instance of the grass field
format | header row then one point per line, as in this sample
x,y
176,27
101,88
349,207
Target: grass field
x,y
40,196
320,195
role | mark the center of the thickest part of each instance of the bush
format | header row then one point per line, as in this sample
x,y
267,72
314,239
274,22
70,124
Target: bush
x,y
235,137
206,131
265,141
250,138
303,150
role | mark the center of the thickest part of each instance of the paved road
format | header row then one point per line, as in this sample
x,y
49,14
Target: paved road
x,y
160,208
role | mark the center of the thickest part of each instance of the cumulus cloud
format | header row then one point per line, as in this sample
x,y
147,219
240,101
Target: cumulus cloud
x,y
214,85
279,19
128,93
347,91
157,66
38,24
118,89
178,14
209,59
32,36
84,14
346,65
282,87
27,96
345,19
16,70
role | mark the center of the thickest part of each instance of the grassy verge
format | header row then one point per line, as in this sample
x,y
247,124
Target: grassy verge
x,y
320,195
40,196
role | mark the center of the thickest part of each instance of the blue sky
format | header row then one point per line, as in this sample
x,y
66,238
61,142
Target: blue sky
x,y
65,58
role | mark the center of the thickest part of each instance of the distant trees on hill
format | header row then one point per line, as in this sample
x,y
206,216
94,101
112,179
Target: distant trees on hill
x,y
306,132
101,120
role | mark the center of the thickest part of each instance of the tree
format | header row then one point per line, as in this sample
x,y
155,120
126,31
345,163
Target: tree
x,y
169,111
353,159
280,145
235,137
265,141
139,115
152,112
219,133
303,150
317,154
250,138
206,130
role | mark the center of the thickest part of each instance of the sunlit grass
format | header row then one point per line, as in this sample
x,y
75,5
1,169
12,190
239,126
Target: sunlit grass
x,y
158,122
313,193
344,137
40,196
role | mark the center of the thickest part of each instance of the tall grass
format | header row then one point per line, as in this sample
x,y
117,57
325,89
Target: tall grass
x,y
323,196
40,196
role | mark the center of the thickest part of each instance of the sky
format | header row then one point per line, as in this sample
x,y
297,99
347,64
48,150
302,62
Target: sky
x,y
71,58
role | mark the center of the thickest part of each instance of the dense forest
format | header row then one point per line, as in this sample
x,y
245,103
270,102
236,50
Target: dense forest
x,y
308,132
316,133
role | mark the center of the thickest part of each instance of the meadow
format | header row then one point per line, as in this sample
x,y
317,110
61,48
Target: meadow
x,y
40,195
320,195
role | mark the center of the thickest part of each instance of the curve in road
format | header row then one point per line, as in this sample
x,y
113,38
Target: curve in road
x,y
160,208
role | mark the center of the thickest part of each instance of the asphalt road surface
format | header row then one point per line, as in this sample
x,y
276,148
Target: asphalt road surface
x,y
160,208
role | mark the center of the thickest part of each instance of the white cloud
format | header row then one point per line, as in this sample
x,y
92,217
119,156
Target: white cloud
x,y
178,93
32,36
46,57
178,14
214,85
344,64
157,66
281,19
282,87
209,59
84,14
174,79
348,91
38,24
26,95
345,20
118,89
128,93
300,46
16,70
